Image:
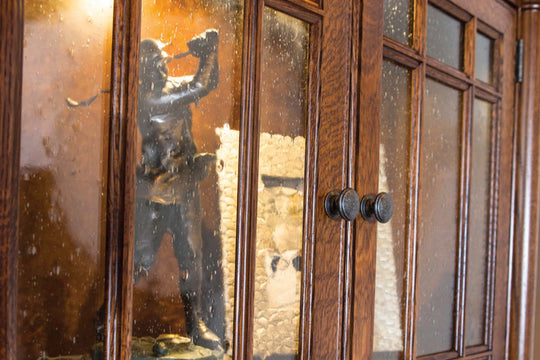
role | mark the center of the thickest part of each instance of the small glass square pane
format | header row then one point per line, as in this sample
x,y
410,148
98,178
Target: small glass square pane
x,y
398,20
484,58
444,37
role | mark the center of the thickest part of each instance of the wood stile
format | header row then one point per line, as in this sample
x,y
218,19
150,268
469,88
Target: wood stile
x,y
11,55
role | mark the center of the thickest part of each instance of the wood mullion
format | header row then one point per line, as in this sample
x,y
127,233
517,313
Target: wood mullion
x,y
469,44
485,355
452,82
396,47
369,88
400,58
297,9
498,57
417,101
420,26
495,159
465,181
487,30
121,180
417,96
447,355
486,92
477,349
352,174
291,7
310,191
11,63
242,346
457,79
447,74
469,48
451,9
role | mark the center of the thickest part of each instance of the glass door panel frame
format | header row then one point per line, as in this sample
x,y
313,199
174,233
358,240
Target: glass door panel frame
x,y
320,128
329,168
502,30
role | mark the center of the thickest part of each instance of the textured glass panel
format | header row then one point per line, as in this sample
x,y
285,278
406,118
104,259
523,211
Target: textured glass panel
x,y
478,222
185,216
398,20
444,37
439,218
484,58
67,49
393,179
280,204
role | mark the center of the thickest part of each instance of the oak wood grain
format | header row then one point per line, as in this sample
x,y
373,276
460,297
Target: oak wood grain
x,y
247,183
527,189
332,153
11,44
121,180
367,181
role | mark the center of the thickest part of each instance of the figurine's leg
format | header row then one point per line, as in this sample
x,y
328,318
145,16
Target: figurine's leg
x,y
150,227
187,248
149,230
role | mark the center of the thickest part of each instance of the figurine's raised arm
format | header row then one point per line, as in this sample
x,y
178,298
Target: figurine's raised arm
x,y
159,92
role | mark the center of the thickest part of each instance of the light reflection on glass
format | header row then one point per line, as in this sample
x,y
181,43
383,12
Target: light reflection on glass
x,y
484,58
444,37
398,20
280,204
67,49
391,237
478,237
439,201
185,219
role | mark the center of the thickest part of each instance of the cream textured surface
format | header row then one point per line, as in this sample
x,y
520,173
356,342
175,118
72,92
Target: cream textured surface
x,y
388,332
279,235
279,238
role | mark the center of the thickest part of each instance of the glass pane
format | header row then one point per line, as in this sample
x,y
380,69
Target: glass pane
x,y
444,37
398,20
439,218
67,49
185,216
280,205
391,241
484,58
479,223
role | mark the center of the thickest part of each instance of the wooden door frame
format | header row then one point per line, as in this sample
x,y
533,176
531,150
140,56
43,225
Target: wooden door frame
x,y
526,189
526,175
11,55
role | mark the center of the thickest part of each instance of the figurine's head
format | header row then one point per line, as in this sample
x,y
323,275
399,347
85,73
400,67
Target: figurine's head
x,y
153,64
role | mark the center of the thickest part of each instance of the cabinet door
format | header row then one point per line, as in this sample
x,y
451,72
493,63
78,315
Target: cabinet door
x,y
445,155
284,95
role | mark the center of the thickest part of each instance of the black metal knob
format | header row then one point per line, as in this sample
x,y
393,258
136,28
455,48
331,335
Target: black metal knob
x,y
345,204
379,207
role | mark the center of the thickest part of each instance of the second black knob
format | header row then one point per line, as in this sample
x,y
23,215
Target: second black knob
x,y
378,207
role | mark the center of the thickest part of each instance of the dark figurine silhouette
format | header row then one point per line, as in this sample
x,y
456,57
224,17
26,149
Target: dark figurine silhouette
x,y
171,168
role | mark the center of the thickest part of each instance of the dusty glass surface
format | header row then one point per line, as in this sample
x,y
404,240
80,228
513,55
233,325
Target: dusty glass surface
x,y
439,200
478,223
67,49
185,216
444,37
398,20
391,237
280,204
484,58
